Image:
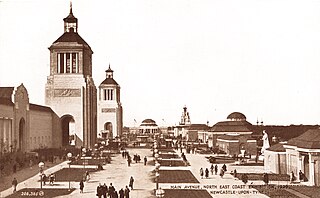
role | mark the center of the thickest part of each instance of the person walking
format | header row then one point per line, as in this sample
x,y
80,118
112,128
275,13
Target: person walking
x,y
212,169
201,173
111,190
221,172
292,177
129,160
207,173
115,195
121,193
127,192
51,179
301,176
216,169
14,184
44,178
266,178
244,178
104,190
145,160
131,182
99,191
81,186
224,168
87,175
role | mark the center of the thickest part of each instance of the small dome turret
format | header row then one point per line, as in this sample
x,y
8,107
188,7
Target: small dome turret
x,y
109,78
70,22
236,116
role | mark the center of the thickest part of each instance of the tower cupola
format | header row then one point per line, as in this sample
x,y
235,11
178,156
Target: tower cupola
x,y
109,72
70,22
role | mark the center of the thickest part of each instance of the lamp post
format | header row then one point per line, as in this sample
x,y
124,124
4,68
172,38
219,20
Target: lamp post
x,y
157,175
159,193
69,155
41,165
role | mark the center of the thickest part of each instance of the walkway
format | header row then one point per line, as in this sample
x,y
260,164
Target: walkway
x,y
118,173
227,186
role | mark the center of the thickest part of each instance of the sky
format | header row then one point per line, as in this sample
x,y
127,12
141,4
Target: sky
x,y
257,57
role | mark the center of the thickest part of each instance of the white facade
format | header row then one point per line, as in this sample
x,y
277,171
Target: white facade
x,y
109,108
70,90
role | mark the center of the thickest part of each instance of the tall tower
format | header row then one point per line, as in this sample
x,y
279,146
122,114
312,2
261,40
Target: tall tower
x,y
110,119
185,118
70,90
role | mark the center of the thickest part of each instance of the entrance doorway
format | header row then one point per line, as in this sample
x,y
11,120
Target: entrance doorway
x,y
68,128
108,129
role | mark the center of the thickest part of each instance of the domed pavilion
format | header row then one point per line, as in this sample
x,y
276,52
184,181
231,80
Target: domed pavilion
x,y
233,136
148,126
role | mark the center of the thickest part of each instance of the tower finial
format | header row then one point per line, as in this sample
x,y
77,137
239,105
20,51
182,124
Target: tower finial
x,y
70,7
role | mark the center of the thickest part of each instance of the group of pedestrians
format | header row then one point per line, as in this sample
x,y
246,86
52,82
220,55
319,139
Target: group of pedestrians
x,y
302,177
45,178
136,158
103,191
213,169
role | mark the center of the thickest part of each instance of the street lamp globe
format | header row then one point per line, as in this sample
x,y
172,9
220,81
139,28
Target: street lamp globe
x,y
41,165
69,155
156,150
157,165
156,155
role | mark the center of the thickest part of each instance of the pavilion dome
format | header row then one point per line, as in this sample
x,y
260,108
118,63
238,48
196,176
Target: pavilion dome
x,y
237,116
148,122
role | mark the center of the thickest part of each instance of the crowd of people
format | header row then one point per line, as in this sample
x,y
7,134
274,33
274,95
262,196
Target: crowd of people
x,y
104,191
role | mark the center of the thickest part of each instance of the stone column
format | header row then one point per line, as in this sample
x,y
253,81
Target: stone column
x,y
5,134
10,134
77,70
65,62
299,164
311,170
58,63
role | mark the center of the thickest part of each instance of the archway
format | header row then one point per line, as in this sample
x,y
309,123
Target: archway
x,y
22,129
68,128
108,130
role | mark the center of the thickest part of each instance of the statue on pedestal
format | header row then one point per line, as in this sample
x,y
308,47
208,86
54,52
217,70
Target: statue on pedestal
x,y
265,144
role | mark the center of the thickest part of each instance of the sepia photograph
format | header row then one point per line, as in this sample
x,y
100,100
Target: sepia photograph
x,y
171,99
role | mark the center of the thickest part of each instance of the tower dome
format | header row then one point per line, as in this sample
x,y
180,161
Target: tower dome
x,y
236,116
